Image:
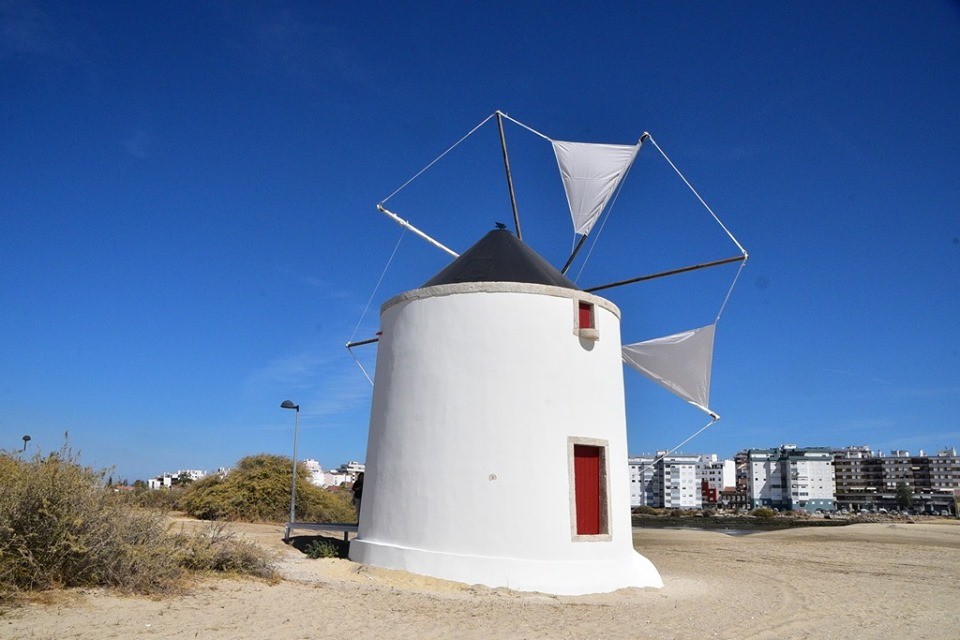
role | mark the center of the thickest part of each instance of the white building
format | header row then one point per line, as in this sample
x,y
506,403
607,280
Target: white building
x,y
352,468
344,474
167,479
506,381
335,478
679,481
791,478
716,476
315,470
644,485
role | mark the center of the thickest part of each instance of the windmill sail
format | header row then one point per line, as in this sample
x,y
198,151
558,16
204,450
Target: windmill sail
x,y
680,362
591,173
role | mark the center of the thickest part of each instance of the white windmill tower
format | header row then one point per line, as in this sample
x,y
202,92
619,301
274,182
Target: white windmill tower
x,y
497,451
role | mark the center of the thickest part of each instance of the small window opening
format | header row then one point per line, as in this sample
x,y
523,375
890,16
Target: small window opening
x,y
586,321
586,315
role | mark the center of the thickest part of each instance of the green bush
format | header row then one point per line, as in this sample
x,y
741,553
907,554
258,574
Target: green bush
x,y
322,549
60,527
258,490
763,512
644,510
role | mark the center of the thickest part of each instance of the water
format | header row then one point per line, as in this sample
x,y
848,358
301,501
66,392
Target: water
x,y
729,532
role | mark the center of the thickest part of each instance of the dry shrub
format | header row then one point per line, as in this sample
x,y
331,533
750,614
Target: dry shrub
x,y
60,527
219,550
258,490
763,512
164,500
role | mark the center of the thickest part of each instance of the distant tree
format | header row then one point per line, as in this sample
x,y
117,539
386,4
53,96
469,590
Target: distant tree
x,y
140,485
904,496
183,479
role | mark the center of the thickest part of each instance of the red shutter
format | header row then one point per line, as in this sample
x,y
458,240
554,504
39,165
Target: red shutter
x,y
586,315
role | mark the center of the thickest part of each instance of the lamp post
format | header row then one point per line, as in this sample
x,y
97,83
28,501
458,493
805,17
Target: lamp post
x,y
288,404
26,439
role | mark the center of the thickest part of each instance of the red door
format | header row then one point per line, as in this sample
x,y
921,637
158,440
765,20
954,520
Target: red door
x,y
586,477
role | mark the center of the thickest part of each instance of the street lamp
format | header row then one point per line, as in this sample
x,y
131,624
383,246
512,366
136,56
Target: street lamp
x,y
26,439
288,404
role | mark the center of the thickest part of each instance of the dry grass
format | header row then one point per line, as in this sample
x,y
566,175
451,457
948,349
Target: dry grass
x,y
60,527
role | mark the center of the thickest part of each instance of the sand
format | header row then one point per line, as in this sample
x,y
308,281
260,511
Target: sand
x,y
861,581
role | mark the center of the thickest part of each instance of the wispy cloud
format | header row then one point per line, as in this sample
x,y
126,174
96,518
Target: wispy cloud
x,y
928,393
137,143
27,31
329,389
846,373
24,29
291,371
868,425
288,41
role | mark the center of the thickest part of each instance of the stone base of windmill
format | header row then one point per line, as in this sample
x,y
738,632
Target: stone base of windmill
x,y
558,577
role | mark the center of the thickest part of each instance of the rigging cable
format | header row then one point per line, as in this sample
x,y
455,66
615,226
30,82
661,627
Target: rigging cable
x,y
702,429
517,122
438,158
729,291
690,186
723,306
376,288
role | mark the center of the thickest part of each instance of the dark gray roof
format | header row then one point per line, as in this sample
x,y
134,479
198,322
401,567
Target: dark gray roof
x,y
500,256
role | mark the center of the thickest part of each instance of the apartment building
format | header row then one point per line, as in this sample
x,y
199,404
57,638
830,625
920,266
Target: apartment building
x,y
351,468
717,480
315,470
868,480
643,489
679,481
791,478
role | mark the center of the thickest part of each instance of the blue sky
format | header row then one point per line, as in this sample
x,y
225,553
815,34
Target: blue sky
x,y
188,232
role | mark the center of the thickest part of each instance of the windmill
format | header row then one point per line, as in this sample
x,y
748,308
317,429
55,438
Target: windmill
x,y
497,448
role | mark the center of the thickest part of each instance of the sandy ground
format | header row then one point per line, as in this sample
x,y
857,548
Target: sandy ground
x,y
861,581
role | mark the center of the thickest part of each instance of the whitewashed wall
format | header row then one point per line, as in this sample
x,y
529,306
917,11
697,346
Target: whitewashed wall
x,y
484,384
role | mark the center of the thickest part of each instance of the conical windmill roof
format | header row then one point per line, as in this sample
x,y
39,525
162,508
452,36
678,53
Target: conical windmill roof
x,y
500,256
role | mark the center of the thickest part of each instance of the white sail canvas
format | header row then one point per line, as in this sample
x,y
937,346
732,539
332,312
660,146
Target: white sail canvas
x,y
680,362
591,173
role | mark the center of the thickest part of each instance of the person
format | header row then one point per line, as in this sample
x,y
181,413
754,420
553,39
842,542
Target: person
x,y
358,492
